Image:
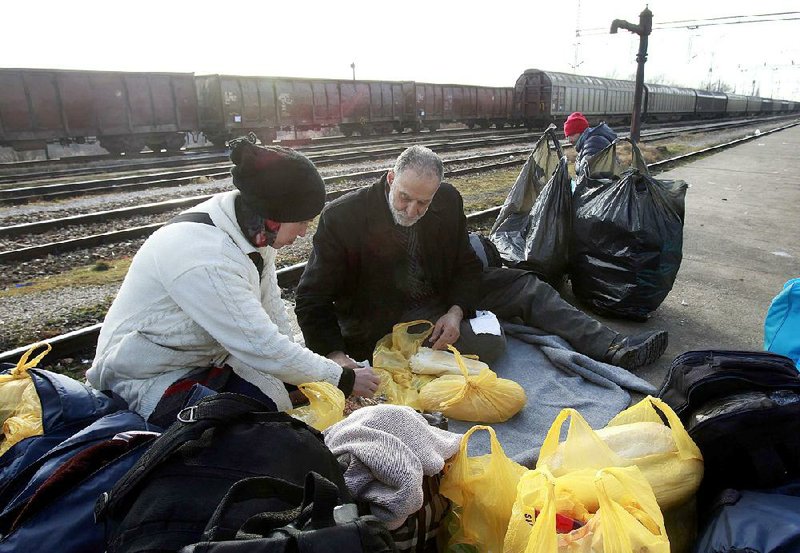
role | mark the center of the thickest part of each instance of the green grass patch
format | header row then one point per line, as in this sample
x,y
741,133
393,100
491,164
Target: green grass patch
x,y
484,190
97,274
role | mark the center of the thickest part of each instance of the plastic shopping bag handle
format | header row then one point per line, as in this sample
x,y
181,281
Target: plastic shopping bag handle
x,y
23,365
647,411
602,456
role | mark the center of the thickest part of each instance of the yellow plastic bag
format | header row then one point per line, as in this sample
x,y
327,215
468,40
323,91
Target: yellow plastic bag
x,y
627,519
483,490
669,459
395,349
390,362
20,408
482,398
326,405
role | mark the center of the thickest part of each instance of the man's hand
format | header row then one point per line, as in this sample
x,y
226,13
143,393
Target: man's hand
x,y
366,383
447,331
342,359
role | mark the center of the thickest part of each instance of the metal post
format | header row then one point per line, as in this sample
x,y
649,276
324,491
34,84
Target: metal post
x,y
643,29
353,67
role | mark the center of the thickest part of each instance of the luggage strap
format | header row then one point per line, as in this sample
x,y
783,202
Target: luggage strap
x,y
192,422
205,219
318,493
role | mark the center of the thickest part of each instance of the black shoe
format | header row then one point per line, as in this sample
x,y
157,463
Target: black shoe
x,y
633,352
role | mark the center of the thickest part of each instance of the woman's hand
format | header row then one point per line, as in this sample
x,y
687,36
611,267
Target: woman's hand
x,y
366,383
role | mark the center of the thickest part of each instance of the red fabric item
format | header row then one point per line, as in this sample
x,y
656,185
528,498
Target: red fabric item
x,y
576,123
564,524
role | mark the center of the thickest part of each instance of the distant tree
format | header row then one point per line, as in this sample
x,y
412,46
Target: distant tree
x,y
662,79
717,86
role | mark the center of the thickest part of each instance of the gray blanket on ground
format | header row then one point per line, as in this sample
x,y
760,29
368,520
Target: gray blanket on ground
x,y
554,376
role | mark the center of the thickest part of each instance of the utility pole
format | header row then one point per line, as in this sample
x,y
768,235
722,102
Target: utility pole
x,y
643,29
577,38
353,67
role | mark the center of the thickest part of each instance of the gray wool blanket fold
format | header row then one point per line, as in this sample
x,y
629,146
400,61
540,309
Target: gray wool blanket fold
x,y
554,377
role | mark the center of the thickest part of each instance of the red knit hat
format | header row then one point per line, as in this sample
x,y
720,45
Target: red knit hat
x,y
576,123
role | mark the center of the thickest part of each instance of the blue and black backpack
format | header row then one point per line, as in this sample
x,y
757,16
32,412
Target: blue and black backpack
x,y
50,481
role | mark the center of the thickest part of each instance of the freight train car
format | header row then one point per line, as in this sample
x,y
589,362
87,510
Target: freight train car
x,y
737,105
667,103
474,106
709,104
544,97
124,111
231,105
128,111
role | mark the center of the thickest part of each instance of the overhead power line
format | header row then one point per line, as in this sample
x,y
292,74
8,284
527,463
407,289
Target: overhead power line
x,y
709,22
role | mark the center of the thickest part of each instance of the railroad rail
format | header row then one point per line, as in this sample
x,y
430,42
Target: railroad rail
x,y
79,340
217,164
83,339
304,144
55,248
319,153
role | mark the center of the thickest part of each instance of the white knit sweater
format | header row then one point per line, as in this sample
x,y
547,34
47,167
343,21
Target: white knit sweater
x,y
191,299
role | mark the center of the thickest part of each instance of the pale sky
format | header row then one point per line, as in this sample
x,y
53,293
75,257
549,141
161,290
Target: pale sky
x,y
467,42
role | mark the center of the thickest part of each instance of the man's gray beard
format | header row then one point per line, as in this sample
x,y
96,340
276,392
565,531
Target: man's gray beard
x,y
400,218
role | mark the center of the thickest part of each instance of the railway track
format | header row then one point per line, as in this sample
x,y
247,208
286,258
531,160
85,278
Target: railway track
x,y
47,183
55,248
39,192
85,339
188,176
208,155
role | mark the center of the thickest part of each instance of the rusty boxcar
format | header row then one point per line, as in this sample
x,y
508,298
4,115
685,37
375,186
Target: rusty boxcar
x,y
124,111
231,105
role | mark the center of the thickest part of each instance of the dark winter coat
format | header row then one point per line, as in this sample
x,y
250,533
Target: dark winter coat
x,y
591,142
352,290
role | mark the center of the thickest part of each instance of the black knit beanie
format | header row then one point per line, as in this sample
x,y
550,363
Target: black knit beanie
x,y
278,183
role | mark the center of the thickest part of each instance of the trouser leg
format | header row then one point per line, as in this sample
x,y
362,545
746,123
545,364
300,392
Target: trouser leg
x,y
488,347
514,293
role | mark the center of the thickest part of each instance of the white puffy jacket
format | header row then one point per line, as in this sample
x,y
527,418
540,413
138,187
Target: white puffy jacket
x,y
192,298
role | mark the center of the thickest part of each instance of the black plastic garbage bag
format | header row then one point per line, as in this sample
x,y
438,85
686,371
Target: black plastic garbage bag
x,y
533,229
627,236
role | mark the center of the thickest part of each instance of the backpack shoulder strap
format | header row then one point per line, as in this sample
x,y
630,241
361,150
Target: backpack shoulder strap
x,y
192,217
205,219
192,422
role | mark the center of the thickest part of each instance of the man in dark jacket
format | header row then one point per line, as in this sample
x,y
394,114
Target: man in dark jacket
x,y
588,141
399,251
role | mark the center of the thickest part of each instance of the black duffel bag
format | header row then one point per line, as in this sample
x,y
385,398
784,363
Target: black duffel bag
x,y
313,521
165,501
742,409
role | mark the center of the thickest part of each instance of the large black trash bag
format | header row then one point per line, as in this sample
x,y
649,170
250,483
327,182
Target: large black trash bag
x,y
627,236
533,229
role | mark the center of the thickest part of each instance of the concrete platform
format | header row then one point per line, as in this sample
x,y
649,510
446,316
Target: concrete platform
x,y
741,244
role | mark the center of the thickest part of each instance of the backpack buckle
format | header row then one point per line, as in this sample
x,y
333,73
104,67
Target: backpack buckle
x,y
188,414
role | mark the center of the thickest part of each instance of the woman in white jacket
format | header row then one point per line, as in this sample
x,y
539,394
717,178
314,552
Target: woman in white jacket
x,y
200,307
